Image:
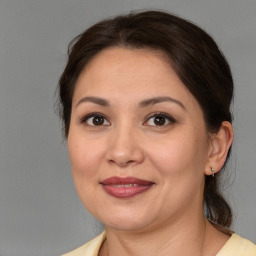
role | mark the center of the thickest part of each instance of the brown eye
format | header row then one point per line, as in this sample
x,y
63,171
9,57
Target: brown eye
x,y
98,120
95,120
160,119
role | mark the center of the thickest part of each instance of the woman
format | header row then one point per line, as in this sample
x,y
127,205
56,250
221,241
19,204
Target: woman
x,y
146,110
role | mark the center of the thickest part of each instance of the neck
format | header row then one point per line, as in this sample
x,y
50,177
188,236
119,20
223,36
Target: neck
x,y
183,238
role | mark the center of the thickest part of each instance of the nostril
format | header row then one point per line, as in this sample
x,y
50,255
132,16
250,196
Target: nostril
x,y
124,151
121,163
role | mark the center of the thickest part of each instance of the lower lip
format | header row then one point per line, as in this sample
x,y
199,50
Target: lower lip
x,y
125,192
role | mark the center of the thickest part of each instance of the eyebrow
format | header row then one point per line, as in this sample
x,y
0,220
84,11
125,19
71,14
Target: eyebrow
x,y
96,100
142,104
155,100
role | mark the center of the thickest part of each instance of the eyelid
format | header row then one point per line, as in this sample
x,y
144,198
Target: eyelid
x,y
94,114
147,118
162,114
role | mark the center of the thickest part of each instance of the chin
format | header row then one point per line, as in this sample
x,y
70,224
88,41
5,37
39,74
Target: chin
x,y
126,225
125,219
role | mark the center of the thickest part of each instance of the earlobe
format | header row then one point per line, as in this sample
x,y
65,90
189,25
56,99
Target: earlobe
x,y
220,145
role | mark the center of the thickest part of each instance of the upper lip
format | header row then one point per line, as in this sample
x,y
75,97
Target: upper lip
x,y
125,180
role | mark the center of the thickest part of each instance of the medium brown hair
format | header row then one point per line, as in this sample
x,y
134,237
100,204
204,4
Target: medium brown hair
x,y
193,55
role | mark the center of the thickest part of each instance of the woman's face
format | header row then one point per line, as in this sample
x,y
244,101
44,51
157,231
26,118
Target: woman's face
x,y
138,142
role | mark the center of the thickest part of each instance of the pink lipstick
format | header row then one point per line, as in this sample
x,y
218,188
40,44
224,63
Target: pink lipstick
x,y
125,187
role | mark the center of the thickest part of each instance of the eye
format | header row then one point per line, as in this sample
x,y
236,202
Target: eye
x,y
159,119
95,119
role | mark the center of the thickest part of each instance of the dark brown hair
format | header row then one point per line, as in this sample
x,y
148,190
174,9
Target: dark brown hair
x,y
193,55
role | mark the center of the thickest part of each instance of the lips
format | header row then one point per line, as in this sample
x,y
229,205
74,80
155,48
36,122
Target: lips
x,y
125,187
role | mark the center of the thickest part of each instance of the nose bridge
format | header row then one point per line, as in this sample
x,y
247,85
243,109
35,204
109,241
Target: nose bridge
x,y
125,146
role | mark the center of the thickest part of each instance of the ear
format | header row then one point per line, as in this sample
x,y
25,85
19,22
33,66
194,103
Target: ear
x,y
220,143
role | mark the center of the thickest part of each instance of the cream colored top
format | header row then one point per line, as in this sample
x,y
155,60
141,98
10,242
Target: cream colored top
x,y
235,246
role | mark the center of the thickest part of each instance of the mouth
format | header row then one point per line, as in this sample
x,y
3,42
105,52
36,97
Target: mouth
x,y
127,187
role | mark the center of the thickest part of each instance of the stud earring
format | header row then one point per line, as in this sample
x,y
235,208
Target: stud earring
x,y
212,172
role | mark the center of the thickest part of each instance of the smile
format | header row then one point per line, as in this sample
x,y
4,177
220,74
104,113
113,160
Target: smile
x,y
125,187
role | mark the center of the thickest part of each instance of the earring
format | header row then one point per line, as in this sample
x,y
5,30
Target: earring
x,y
212,172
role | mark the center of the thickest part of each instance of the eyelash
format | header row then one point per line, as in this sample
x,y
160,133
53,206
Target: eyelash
x,y
85,119
167,117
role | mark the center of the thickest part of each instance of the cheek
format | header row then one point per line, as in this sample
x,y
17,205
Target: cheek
x,y
84,155
85,158
184,153
180,162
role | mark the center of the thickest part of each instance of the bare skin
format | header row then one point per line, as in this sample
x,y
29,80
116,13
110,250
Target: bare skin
x,y
207,243
133,117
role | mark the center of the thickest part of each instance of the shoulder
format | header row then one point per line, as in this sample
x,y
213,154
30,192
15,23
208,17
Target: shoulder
x,y
91,248
238,246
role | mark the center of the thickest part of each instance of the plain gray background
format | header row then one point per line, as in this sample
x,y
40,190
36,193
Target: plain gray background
x,y
40,213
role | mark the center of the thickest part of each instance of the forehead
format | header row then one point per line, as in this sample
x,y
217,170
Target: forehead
x,y
130,74
120,61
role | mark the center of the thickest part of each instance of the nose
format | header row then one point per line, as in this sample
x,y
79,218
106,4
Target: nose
x,y
125,148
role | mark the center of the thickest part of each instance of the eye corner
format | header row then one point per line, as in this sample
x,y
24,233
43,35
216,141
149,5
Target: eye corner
x,y
164,119
94,120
